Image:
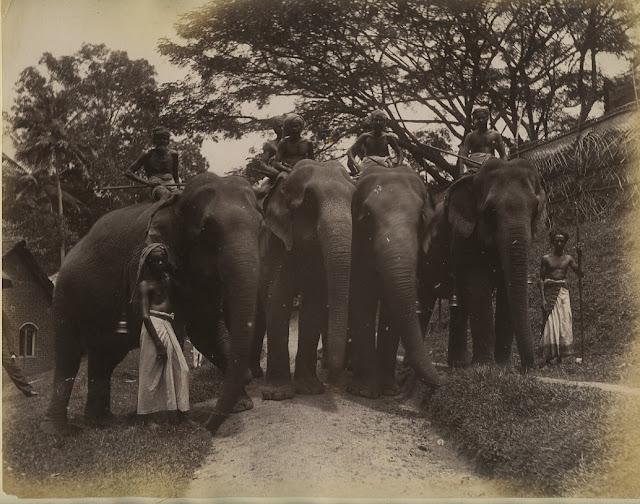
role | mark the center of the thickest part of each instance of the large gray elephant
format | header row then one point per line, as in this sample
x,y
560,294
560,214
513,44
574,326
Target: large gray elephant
x,y
307,250
212,231
483,232
392,218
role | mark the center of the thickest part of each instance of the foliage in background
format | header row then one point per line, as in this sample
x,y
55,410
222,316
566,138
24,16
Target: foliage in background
x,y
529,60
81,119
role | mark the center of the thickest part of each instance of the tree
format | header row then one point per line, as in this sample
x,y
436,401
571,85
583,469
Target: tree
x,y
342,59
83,119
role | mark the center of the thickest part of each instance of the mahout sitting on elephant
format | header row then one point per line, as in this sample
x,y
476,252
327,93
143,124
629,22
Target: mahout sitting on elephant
x,y
484,230
392,214
308,250
211,231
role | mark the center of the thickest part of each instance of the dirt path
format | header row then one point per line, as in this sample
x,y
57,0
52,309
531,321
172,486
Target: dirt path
x,y
334,445
609,387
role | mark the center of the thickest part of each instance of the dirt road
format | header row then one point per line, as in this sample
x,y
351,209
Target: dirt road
x,y
334,445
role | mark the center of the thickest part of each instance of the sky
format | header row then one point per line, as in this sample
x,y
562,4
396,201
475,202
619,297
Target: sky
x,y
31,27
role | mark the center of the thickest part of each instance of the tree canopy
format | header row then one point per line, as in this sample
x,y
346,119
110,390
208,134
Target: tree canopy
x,y
81,120
529,61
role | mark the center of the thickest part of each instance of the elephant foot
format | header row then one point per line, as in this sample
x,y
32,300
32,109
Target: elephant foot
x,y
58,427
257,372
244,403
363,389
214,422
390,389
278,392
308,386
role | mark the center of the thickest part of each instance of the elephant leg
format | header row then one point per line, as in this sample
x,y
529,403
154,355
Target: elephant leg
x,y
312,321
363,305
387,350
504,331
101,362
457,351
477,298
68,354
256,348
280,297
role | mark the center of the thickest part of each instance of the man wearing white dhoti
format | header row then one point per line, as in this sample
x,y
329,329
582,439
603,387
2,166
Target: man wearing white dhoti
x,y
163,375
557,334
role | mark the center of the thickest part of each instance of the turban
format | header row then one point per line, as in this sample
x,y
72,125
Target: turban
x,y
291,118
377,113
480,110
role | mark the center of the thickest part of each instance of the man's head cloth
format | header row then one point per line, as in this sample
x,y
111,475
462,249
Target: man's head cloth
x,y
292,118
480,111
377,113
160,132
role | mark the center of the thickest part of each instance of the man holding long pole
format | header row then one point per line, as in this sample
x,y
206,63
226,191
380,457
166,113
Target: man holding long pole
x,y
557,335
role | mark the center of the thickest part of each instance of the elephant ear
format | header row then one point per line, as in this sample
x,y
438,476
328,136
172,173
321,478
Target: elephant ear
x,y
541,209
461,207
284,199
429,223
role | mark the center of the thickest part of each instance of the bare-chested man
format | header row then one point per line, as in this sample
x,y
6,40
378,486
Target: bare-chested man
x,y
292,148
557,336
163,373
373,143
481,143
160,165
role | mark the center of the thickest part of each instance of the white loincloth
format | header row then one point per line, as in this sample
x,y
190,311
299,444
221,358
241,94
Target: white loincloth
x,y
162,386
557,338
480,157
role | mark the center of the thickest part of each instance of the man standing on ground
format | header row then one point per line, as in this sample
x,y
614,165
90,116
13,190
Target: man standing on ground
x,y
557,336
163,375
481,143
160,166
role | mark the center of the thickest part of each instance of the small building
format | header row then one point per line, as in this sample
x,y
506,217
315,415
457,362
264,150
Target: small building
x,y
26,309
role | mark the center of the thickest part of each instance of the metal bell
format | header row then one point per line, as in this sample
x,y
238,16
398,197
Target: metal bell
x,y
121,327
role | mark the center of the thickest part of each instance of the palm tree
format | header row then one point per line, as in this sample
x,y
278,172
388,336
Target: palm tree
x,y
47,146
40,187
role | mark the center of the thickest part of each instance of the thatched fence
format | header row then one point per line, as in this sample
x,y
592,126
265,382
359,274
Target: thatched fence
x,y
587,172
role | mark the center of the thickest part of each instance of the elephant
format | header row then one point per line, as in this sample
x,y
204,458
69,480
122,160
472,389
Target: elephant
x,y
392,214
308,250
212,231
483,233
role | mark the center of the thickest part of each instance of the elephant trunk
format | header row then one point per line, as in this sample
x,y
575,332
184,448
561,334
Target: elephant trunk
x,y
514,244
334,231
239,269
398,257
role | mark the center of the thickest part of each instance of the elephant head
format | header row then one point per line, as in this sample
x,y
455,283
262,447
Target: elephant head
x,y
212,230
495,212
310,211
394,223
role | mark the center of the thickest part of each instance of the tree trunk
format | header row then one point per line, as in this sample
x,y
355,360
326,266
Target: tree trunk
x,y
63,237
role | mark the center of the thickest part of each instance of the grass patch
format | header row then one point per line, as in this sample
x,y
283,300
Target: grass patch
x,y
542,437
121,460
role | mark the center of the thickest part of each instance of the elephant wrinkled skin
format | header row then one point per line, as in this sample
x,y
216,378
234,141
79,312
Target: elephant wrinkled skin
x,y
488,221
212,232
308,250
392,214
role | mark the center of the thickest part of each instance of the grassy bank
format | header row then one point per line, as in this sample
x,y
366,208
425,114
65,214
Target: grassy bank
x,y
544,438
123,459
608,301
